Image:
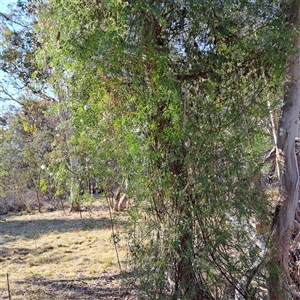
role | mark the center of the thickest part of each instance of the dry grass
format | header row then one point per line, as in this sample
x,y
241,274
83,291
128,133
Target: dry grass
x,y
59,255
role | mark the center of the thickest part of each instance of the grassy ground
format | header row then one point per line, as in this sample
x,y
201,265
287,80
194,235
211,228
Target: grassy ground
x,y
61,255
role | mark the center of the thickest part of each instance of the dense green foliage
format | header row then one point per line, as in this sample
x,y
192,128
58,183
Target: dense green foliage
x,y
173,97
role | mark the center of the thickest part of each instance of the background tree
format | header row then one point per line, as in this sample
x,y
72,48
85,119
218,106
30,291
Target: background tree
x,y
25,148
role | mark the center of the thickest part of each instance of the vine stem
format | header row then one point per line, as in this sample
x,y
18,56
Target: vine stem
x,y
113,233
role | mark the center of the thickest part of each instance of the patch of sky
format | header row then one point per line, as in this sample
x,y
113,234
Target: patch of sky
x,y
8,91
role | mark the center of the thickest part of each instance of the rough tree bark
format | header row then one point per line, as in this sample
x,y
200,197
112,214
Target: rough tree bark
x,y
283,222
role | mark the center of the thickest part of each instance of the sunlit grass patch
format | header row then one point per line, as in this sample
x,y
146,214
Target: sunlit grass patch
x,y
40,246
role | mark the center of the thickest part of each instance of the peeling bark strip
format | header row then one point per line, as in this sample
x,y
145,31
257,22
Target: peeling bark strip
x,y
288,127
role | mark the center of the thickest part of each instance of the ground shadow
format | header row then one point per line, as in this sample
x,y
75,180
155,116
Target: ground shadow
x,y
97,287
19,254
11,230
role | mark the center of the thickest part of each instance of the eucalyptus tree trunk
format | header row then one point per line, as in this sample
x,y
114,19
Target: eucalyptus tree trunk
x,y
64,116
283,223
